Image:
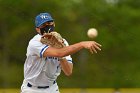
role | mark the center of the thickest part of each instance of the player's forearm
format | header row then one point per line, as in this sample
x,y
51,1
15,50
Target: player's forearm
x,y
66,67
69,50
62,52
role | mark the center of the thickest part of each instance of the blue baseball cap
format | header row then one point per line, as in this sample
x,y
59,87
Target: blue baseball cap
x,y
42,18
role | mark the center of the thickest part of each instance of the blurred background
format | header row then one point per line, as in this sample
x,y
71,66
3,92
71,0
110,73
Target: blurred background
x,y
118,24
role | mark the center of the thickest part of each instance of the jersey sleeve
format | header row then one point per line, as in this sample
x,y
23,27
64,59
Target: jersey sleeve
x,y
68,58
37,48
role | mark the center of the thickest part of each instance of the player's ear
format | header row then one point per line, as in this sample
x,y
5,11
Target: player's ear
x,y
54,24
37,29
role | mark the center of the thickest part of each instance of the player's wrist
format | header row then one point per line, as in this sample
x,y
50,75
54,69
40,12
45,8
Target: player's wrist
x,y
82,44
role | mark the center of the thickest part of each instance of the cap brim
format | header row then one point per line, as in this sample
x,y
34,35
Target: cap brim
x,y
45,22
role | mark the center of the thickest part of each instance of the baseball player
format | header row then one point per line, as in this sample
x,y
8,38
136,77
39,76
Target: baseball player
x,y
44,63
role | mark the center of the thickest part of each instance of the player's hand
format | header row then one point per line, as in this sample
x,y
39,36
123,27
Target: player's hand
x,y
92,46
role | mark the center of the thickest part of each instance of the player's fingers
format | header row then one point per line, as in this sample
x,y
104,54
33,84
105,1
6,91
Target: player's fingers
x,y
98,44
93,49
97,47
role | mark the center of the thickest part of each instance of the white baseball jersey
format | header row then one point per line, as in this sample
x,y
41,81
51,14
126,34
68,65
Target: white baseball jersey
x,y
40,71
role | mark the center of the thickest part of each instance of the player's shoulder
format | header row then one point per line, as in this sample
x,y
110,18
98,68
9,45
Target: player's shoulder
x,y
35,40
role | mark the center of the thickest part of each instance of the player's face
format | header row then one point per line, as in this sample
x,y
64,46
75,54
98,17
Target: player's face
x,y
47,27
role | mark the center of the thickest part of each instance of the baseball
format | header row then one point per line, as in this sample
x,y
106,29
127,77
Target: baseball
x,y
92,33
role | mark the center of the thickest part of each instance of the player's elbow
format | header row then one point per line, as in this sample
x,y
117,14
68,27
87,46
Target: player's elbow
x,y
68,73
